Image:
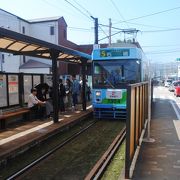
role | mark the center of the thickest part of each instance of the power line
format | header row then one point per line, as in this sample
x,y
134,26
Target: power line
x,y
111,35
162,30
115,6
126,30
163,52
78,9
161,45
56,7
83,7
79,28
99,25
138,24
152,14
146,25
111,27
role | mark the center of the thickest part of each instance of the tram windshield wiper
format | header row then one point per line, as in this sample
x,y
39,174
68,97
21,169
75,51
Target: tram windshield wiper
x,y
111,84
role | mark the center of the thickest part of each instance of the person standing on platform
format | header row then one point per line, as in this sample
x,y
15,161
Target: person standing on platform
x,y
75,91
69,92
62,94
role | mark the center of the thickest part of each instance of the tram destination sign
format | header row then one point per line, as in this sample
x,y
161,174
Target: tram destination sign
x,y
114,52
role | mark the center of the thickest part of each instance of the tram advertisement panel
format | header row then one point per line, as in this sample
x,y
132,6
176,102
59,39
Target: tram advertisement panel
x,y
110,98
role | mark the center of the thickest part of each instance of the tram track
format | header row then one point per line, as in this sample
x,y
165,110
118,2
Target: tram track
x,y
80,151
50,152
100,167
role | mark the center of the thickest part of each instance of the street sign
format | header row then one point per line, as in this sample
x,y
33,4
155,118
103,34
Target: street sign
x,y
177,59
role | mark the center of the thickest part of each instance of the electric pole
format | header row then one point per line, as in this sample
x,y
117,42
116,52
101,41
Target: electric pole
x,y
110,26
95,29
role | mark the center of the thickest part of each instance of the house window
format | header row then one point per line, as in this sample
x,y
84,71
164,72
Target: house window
x,y
23,30
51,30
3,58
24,59
65,34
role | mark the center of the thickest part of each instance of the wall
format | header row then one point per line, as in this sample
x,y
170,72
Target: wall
x,y
42,31
36,70
14,23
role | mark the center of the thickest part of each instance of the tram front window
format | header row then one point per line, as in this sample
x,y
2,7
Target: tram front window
x,y
113,73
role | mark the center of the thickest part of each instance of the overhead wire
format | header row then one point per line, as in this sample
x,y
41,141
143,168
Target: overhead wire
x,y
83,7
90,15
147,25
147,15
162,30
57,7
164,52
117,9
78,9
150,31
168,45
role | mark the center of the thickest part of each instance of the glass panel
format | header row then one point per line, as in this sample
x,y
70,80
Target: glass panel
x,y
30,48
63,56
36,80
39,49
5,42
27,87
48,79
3,92
13,89
113,73
16,46
46,54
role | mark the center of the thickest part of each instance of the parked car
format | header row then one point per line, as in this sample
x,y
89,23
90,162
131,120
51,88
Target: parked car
x,y
168,82
173,85
177,90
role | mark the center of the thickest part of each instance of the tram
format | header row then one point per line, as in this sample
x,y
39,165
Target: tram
x,y
113,69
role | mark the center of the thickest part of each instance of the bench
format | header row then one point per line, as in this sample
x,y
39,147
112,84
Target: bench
x,y
14,113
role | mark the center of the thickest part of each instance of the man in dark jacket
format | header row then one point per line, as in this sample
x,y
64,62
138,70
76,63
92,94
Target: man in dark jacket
x,y
62,94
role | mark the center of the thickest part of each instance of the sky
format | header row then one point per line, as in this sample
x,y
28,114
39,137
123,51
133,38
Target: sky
x,y
157,21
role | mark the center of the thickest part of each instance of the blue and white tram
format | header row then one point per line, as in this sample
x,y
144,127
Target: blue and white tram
x,y
114,68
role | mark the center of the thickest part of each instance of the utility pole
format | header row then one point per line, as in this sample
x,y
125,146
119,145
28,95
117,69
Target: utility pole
x,y
110,26
95,29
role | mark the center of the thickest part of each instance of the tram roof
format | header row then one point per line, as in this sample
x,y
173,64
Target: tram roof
x,y
20,44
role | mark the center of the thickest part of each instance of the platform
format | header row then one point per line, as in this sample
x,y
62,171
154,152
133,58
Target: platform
x,y
161,160
22,136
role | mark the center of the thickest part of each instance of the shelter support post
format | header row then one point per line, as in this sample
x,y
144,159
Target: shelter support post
x,y
54,56
21,89
84,64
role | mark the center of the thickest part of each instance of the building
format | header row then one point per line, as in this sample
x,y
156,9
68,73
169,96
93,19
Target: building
x,y
53,30
164,70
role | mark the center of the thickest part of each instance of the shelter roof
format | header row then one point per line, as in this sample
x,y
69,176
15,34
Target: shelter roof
x,y
20,44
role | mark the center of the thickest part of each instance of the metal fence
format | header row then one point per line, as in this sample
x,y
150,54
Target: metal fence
x,y
137,116
15,87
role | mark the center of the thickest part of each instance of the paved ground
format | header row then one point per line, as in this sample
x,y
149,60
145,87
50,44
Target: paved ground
x,y
161,160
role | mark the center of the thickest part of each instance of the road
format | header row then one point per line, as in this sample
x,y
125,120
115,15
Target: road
x,y
163,95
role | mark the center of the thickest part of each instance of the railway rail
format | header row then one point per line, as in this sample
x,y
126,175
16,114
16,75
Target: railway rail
x,y
100,167
46,155
72,156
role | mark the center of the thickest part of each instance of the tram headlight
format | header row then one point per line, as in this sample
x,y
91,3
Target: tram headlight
x,y
98,93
